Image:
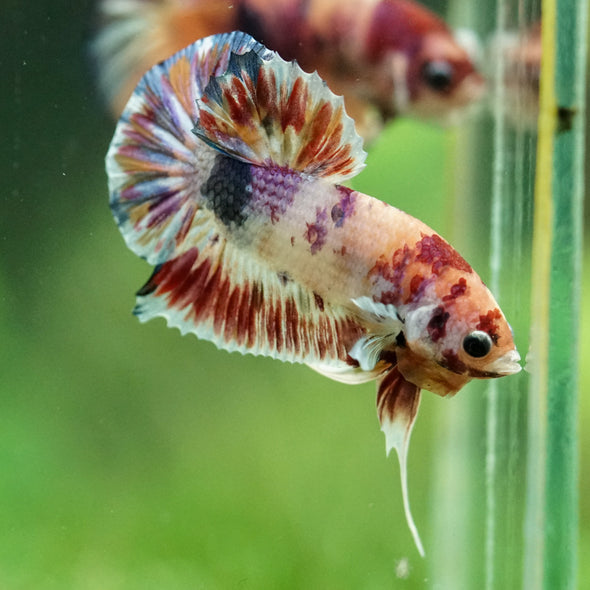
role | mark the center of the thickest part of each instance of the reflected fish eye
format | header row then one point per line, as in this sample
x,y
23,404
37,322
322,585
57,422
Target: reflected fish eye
x,y
438,74
477,344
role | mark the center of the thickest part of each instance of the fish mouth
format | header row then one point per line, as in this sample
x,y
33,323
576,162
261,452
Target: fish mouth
x,y
507,364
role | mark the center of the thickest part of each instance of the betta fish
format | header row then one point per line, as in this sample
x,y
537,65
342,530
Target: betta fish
x,y
225,173
386,57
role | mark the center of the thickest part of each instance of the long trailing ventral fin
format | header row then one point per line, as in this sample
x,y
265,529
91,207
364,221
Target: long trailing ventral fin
x,y
266,111
397,408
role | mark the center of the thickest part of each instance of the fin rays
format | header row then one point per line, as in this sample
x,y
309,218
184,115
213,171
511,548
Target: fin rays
x,y
267,111
222,296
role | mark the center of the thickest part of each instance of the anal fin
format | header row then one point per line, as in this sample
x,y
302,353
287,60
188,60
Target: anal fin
x,y
397,408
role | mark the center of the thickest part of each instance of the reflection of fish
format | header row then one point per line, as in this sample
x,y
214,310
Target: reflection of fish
x,y
385,57
224,171
521,53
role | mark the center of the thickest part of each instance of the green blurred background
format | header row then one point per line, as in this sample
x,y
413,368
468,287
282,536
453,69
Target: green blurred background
x,y
133,458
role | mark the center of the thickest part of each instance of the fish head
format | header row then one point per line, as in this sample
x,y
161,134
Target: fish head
x,y
452,339
441,79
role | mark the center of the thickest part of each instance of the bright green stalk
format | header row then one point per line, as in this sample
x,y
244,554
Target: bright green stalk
x,y
552,519
561,526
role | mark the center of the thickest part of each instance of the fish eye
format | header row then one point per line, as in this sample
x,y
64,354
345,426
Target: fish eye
x,y
477,344
438,75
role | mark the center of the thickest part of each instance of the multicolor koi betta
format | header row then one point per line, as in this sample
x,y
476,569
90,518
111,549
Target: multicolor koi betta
x,y
386,57
225,173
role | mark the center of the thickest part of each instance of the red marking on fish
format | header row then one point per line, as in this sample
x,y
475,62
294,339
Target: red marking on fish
x,y
316,232
489,323
437,325
415,283
434,250
457,290
393,272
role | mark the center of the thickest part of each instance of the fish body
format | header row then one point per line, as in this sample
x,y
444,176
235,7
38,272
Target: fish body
x,y
226,172
386,57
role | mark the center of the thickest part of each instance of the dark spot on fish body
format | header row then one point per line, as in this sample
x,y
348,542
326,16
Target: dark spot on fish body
x,y
337,215
487,323
415,283
437,325
389,298
317,232
435,251
345,207
393,273
457,290
228,190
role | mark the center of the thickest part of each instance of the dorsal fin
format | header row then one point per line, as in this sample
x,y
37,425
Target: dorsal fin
x,y
269,111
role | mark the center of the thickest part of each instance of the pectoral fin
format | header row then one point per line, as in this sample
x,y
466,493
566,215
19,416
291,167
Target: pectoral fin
x,y
397,408
384,325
